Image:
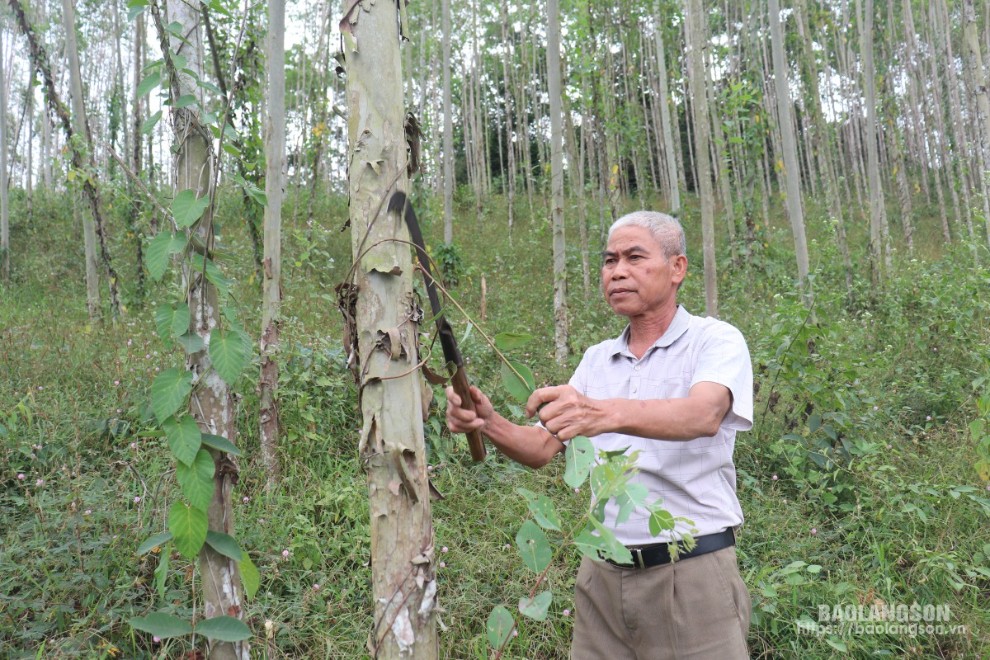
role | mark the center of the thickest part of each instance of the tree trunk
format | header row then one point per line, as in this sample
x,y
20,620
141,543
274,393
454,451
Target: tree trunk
x,y
211,403
695,32
4,210
978,78
878,260
448,132
792,172
557,182
670,146
392,447
272,263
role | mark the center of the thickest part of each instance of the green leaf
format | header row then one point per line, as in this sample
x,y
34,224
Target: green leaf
x,y
187,208
151,81
536,608
221,444
611,548
499,626
169,391
188,526
172,320
135,8
224,629
225,544
161,571
184,438
196,480
519,385
191,342
507,341
534,546
153,542
579,458
185,101
149,123
156,255
250,577
231,149
207,85
162,625
229,354
213,273
661,520
542,509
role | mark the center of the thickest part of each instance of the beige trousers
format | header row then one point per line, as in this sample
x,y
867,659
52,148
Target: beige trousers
x,y
696,608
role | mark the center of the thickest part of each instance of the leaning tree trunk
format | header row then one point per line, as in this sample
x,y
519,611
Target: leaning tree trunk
x,y
212,403
792,171
979,80
392,448
695,32
272,263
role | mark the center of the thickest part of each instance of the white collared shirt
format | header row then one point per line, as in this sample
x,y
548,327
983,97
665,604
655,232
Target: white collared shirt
x,y
696,478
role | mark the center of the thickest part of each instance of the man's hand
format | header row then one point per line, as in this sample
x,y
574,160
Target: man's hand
x,y
566,413
461,420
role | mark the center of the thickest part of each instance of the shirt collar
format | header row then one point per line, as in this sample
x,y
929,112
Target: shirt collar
x,y
678,326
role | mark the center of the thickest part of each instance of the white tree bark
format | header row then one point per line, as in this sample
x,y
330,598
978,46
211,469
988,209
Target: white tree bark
x,y
392,447
792,170
4,210
978,77
557,182
695,33
448,132
272,262
670,147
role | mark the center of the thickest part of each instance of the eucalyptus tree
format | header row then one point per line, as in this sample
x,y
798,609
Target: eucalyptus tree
x,y
4,209
77,139
669,146
272,265
215,347
792,170
448,130
554,88
696,39
879,248
979,84
382,319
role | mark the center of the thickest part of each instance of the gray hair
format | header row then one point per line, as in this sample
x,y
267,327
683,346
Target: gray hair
x,y
665,229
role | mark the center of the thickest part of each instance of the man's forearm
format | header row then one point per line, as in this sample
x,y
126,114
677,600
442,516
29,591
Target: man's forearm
x,y
532,446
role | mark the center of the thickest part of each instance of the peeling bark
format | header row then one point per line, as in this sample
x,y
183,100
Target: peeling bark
x,y
392,447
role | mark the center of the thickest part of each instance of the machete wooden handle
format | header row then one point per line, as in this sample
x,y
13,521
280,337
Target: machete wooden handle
x,y
459,381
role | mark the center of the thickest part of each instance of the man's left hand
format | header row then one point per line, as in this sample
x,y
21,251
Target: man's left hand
x,y
566,413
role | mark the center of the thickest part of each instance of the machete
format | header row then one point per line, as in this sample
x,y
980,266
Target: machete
x,y
399,204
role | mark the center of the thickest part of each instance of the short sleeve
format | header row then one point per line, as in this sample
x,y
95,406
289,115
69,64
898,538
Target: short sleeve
x,y
723,358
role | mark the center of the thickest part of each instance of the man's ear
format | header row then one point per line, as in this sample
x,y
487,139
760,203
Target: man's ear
x,y
679,266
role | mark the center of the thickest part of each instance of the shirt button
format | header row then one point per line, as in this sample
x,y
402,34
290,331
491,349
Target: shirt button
x,y
636,367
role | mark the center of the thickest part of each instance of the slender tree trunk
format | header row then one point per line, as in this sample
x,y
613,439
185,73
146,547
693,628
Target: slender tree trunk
x,y
448,132
272,263
4,210
212,402
670,146
557,182
878,255
978,78
392,447
792,172
695,32
507,81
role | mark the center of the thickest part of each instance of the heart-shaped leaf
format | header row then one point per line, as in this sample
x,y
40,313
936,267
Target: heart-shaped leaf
x,y
188,526
518,380
229,354
187,208
536,608
172,320
162,625
184,438
224,629
196,480
579,458
542,508
534,547
169,391
499,626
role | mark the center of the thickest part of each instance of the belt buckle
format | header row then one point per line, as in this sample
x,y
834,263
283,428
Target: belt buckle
x,y
637,556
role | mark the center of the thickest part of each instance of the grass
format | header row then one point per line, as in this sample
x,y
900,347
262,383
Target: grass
x,y
857,480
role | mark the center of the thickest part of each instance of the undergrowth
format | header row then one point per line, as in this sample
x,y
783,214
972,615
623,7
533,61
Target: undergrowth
x,y
857,481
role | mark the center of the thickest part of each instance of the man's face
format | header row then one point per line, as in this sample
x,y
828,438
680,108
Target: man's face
x,y
637,279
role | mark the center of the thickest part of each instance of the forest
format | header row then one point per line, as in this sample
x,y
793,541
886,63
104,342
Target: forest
x,y
222,379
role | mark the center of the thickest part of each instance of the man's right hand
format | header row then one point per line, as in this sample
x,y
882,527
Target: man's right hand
x,y
462,420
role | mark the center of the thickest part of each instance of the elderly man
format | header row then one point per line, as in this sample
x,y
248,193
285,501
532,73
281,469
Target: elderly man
x,y
676,388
